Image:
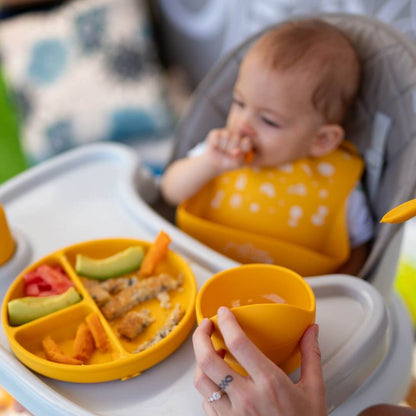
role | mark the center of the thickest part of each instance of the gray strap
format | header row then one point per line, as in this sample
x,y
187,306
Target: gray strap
x,y
374,155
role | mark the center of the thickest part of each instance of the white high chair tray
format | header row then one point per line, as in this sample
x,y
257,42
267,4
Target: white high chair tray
x,y
91,192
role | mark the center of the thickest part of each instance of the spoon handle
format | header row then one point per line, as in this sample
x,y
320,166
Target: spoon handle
x,y
401,213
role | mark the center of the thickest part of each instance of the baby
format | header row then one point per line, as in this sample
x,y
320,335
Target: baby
x,y
280,161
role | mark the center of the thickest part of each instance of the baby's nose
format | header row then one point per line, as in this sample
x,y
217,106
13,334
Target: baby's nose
x,y
245,129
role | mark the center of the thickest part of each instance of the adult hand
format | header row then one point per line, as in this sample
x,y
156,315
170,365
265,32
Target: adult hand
x,y
267,390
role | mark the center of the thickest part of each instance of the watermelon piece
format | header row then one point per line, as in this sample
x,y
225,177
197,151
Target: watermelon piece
x,y
46,280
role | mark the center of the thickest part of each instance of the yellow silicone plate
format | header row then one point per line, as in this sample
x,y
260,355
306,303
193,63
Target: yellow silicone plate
x,y
119,363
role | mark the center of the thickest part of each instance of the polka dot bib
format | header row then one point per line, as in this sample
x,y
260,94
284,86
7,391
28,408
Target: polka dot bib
x,y
301,205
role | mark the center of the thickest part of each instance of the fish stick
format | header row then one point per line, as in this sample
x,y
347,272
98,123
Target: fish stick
x,y
164,300
99,295
143,290
134,323
118,284
171,322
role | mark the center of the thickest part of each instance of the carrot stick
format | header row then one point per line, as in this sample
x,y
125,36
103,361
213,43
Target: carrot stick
x,y
100,337
54,353
249,156
155,254
83,343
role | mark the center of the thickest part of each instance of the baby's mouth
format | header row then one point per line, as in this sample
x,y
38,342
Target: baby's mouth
x,y
251,154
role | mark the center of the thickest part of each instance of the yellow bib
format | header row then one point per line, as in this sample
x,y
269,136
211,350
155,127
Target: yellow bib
x,y
293,215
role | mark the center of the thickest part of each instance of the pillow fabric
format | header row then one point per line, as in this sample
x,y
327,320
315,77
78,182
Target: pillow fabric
x,y
83,72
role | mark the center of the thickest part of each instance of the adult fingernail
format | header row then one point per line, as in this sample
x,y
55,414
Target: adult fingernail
x,y
221,310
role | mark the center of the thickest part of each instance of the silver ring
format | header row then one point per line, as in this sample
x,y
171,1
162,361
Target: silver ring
x,y
215,396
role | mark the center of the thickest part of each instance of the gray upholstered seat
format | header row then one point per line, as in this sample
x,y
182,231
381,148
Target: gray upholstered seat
x,y
382,124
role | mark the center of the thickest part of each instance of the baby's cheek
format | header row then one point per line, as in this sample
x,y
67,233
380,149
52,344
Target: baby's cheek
x,y
230,121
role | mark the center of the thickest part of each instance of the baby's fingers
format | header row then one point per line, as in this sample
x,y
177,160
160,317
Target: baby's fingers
x,y
233,147
219,140
225,142
213,138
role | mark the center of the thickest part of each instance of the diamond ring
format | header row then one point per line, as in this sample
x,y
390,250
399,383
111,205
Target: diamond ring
x,y
215,396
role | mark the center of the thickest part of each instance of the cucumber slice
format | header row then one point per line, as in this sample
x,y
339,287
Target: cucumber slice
x,y
121,263
26,309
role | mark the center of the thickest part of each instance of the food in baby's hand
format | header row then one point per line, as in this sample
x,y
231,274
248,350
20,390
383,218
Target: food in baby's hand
x,y
26,309
100,337
156,253
134,323
121,263
46,280
173,320
143,290
84,343
54,353
249,156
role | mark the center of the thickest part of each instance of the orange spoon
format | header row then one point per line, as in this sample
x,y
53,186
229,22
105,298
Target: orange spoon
x,y
401,213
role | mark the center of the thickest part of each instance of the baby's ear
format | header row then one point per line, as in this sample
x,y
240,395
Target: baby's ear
x,y
327,139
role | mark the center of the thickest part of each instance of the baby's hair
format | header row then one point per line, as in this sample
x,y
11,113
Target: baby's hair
x,y
322,51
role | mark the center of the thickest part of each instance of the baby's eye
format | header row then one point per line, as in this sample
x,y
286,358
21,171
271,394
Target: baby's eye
x,y
270,122
238,102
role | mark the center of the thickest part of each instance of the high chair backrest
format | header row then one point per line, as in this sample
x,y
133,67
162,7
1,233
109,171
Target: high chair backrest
x,y
382,124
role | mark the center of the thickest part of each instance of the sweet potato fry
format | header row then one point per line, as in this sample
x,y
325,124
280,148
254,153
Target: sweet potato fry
x,y
84,343
249,156
155,254
55,354
100,337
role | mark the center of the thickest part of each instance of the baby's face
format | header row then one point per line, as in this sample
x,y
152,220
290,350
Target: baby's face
x,y
274,108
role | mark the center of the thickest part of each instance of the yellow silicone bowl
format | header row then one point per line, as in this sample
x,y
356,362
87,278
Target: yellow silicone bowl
x,y
272,304
120,362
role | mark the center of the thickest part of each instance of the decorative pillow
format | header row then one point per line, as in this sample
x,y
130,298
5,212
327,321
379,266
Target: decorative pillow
x,y
83,72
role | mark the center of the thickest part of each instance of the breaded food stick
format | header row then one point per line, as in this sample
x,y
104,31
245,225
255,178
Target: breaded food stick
x,y
118,284
134,323
173,320
99,295
143,290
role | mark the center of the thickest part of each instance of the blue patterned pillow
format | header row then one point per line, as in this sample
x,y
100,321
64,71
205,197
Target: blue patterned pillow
x,y
84,72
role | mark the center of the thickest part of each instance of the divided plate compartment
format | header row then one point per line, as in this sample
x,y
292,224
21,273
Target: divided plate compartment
x,y
120,362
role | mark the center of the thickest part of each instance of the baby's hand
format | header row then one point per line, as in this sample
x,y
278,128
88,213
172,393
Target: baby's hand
x,y
227,150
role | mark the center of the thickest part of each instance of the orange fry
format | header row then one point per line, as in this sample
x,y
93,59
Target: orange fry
x,y
100,337
84,343
55,354
249,156
155,254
